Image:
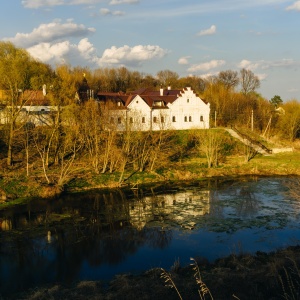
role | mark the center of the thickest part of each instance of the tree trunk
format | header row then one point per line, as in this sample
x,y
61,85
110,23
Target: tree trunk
x,y
10,144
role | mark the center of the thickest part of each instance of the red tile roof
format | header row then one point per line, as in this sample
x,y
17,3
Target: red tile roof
x,y
148,95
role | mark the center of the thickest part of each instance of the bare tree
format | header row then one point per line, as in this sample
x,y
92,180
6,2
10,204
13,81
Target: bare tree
x,y
249,81
289,120
17,71
210,144
90,120
167,77
229,78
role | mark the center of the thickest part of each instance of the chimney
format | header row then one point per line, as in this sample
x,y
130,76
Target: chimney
x,y
161,92
44,90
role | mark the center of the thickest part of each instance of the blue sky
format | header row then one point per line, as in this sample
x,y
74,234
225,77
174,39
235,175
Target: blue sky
x,y
190,37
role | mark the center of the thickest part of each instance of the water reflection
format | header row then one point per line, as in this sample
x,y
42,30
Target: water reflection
x,y
98,234
171,208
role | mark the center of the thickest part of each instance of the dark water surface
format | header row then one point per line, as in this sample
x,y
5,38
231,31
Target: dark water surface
x,y
95,235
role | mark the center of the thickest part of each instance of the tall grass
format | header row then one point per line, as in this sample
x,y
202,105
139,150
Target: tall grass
x,y
203,290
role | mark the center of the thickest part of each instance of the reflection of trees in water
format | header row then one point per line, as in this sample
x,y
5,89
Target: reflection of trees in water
x,y
293,188
158,237
95,227
216,208
101,228
239,198
248,204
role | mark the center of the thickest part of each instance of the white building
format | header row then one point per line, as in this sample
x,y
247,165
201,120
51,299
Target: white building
x,y
33,108
39,115
155,110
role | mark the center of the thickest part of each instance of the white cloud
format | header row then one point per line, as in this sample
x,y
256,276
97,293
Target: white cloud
x,y
84,53
35,4
51,53
207,66
55,31
131,55
247,64
285,62
183,60
116,2
118,13
209,75
261,76
106,12
295,6
262,64
209,31
50,3
41,3
87,50
293,90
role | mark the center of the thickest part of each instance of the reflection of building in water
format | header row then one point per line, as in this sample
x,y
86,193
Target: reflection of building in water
x,y
182,208
5,224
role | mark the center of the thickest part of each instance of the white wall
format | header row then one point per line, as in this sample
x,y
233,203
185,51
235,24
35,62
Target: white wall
x,y
189,111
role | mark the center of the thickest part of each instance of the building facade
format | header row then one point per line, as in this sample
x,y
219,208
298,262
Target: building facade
x,y
156,110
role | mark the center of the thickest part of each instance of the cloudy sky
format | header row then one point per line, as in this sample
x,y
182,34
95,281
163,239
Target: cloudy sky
x,y
190,37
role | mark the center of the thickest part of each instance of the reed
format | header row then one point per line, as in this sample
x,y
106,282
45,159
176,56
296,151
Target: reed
x,y
203,290
290,282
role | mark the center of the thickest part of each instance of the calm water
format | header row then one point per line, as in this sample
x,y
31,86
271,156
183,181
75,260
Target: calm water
x,y
96,235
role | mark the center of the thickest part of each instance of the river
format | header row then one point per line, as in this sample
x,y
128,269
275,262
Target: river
x,y
98,234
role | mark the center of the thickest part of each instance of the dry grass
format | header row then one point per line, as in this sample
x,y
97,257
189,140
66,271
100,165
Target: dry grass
x,y
246,277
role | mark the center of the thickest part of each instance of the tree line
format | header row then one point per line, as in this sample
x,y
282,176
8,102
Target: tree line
x,y
76,131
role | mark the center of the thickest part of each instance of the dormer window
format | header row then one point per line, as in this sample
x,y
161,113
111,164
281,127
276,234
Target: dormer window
x,y
158,103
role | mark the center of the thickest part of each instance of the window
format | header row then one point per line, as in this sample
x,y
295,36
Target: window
x,y
185,119
119,120
188,100
162,119
143,119
158,103
154,119
173,119
190,118
130,120
201,118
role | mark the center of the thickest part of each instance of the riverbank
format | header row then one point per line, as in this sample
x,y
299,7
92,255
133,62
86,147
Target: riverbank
x,y
15,185
262,276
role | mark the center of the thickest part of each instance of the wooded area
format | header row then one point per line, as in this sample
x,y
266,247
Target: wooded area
x,y
75,132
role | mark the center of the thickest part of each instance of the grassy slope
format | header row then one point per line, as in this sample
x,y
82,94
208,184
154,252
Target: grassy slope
x,y
16,184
